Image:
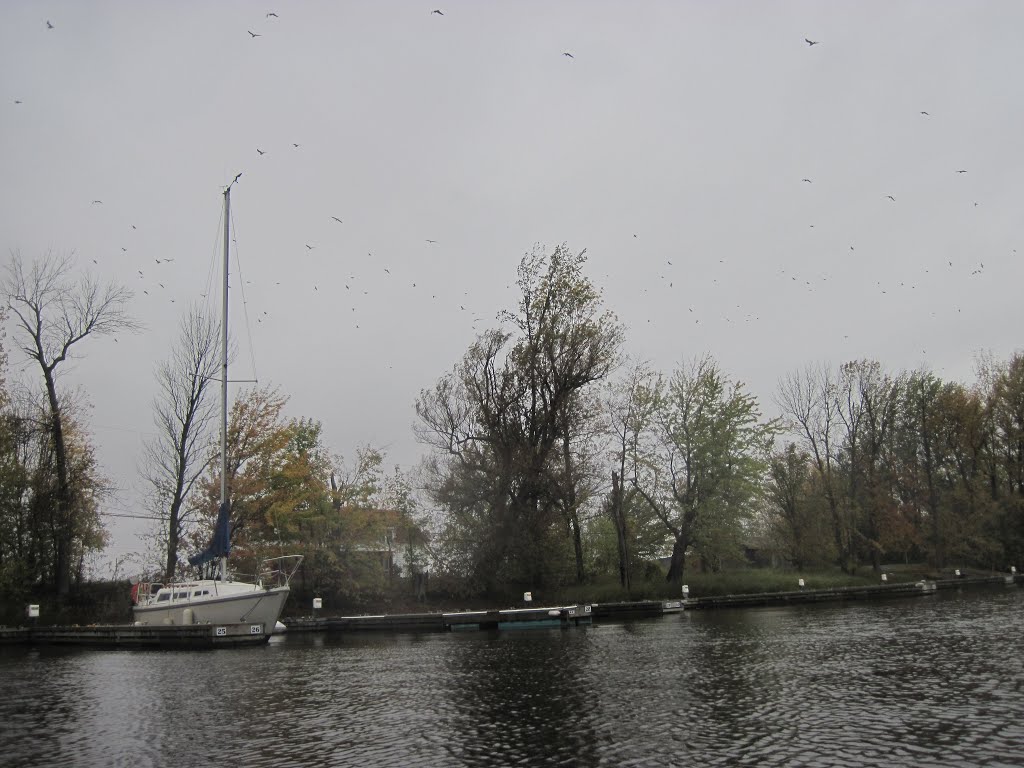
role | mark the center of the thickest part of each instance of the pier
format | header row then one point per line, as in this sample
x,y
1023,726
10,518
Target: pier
x,y
159,637
200,636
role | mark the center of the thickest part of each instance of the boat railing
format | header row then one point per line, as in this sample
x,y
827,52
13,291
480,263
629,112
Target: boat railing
x,y
278,571
144,591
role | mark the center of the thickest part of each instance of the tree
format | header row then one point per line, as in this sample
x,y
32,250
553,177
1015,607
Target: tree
x,y
798,513
703,472
53,313
872,488
629,413
257,445
499,423
184,413
810,404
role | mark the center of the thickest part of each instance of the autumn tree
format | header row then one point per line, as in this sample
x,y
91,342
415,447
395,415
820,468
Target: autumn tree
x,y
257,443
501,421
53,312
184,414
1005,411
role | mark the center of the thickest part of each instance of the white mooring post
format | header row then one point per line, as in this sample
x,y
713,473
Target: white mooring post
x,y
686,591
800,583
885,578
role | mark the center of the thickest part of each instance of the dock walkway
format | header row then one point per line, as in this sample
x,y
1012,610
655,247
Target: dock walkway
x,y
160,637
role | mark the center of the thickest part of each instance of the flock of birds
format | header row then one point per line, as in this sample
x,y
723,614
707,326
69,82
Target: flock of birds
x,y
153,284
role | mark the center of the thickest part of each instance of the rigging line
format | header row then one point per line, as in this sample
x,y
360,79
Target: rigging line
x,y
245,301
211,272
133,517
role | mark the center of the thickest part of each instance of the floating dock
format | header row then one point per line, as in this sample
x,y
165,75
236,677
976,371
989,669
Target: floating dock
x,y
159,637
840,594
459,621
199,636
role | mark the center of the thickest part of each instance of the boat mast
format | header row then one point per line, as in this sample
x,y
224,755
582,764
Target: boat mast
x,y
224,374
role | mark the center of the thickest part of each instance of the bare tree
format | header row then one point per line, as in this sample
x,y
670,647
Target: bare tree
x,y
53,311
183,412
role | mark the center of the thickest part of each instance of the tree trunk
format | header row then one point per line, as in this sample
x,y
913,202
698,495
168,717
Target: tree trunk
x,y
618,516
678,562
172,541
62,564
577,541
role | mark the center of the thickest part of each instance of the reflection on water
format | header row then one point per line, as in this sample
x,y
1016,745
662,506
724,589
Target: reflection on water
x,y
927,681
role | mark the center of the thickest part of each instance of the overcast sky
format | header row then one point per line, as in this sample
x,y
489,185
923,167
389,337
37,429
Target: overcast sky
x,y
672,144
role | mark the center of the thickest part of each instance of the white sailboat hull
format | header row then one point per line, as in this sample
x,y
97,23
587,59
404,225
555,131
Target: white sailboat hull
x,y
225,603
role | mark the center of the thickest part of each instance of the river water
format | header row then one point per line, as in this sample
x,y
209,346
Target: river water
x,y
926,681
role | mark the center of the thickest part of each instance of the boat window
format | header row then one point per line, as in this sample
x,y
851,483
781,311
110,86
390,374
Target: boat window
x,y
200,593
163,597
180,595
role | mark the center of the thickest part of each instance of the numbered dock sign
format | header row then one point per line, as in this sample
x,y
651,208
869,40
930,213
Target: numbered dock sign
x,y
255,629
222,631
527,597
33,611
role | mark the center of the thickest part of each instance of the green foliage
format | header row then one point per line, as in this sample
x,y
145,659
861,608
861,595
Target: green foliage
x,y
701,468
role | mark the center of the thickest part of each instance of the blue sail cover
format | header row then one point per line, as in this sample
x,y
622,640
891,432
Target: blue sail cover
x,y
220,544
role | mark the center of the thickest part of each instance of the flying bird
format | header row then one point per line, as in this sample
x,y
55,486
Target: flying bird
x,y
260,151
439,13
961,171
925,113
309,247
337,219
17,101
807,180
295,145
271,14
891,198
431,241
254,34
811,42
49,25
566,53
97,202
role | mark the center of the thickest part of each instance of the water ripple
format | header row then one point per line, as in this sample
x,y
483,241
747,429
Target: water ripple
x,y
930,681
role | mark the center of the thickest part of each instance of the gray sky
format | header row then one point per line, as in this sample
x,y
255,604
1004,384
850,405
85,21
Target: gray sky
x,y
672,146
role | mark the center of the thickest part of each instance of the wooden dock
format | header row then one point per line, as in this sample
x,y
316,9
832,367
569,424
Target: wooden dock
x,y
159,637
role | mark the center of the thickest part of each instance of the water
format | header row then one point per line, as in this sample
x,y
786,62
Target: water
x,y
928,681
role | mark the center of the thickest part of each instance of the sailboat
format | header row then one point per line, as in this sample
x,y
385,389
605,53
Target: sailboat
x,y
218,598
